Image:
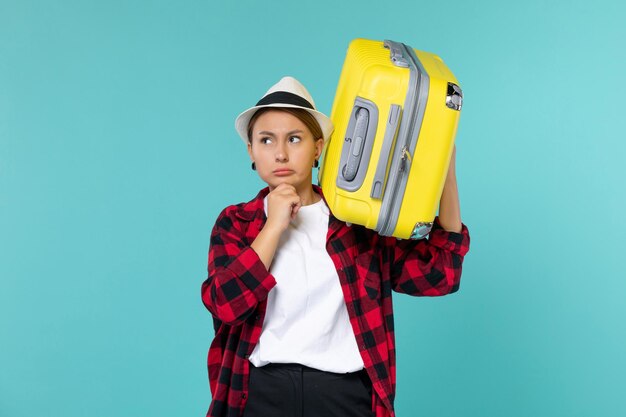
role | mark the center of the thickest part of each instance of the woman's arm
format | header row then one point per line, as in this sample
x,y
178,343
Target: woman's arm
x,y
432,267
238,279
282,205
449,206
239,275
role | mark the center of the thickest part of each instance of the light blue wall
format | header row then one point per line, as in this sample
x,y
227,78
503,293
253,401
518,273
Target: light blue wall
x,y
117,152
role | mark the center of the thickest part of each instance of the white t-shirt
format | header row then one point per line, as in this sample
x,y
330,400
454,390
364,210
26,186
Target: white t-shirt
x,y
307,320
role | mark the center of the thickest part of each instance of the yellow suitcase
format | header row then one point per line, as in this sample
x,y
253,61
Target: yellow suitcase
x,y
395,113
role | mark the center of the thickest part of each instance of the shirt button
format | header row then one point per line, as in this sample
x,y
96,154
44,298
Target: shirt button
x,y
243,395
257,317
363,347
246,356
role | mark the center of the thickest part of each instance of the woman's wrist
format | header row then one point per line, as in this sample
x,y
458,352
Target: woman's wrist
x,y
272,228
266,243
451,177
449,206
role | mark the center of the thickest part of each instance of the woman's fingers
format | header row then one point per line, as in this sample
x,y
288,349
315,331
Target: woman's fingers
x,y
283,205
295,208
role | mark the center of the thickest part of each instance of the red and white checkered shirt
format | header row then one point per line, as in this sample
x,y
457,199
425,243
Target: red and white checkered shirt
x,y
369,266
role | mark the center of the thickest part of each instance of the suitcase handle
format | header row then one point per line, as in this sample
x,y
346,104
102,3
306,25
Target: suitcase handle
x,y
358,138
396,53
357,146
391,131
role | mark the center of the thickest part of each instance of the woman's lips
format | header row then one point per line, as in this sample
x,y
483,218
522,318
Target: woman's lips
x,y
283,172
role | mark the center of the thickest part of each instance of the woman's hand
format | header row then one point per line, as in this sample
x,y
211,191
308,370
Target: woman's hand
x,y
283,204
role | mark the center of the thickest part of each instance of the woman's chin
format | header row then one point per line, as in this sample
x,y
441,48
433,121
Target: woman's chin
x,y
275,182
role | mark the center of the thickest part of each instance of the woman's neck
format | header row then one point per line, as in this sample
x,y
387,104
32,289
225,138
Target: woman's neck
x,y
309,197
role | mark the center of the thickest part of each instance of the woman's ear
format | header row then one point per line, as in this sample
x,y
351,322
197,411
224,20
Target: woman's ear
x,y
319,145
250,151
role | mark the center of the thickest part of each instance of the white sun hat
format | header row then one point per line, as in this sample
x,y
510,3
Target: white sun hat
x,y
288,92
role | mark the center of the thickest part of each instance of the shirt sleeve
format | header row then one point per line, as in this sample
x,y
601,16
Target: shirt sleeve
x,y
237,278
429,267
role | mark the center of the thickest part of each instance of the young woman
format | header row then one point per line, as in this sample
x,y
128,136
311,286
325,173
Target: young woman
x,y
301,301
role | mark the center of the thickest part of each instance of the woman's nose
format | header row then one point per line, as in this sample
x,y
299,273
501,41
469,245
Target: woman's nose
x,y
281,153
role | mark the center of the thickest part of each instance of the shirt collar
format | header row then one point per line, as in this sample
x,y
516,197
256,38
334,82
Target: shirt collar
x,y
253,211
254,208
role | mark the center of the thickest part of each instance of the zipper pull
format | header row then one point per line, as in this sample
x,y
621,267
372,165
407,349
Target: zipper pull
x,y
405,156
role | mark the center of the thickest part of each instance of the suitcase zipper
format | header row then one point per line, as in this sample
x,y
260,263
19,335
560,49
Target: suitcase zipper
x,y
414,107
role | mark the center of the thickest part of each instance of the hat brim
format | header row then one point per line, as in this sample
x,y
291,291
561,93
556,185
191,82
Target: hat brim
x,y
241,123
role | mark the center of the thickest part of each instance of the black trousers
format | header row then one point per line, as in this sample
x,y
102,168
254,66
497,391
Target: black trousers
x,y
294,390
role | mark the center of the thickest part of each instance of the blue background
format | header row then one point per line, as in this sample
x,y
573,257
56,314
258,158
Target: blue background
x,y
117,152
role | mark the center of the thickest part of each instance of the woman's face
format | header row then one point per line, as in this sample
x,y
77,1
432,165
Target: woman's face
x,y
283,149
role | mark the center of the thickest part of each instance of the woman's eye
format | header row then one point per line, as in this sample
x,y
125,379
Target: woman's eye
x,y
294,139
266,140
